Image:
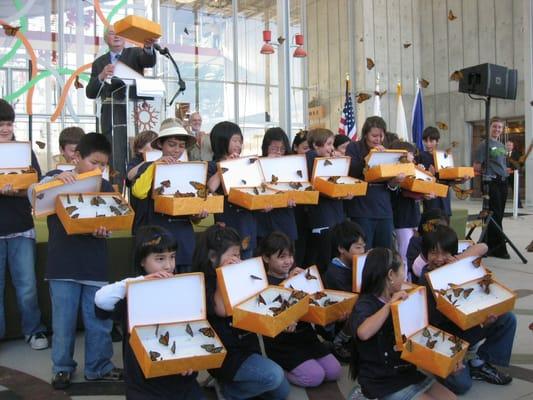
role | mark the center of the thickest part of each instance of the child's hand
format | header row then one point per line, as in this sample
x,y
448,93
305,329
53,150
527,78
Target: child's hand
x,y
187,373
291,328
460,366
7,190
429,196
489,321
233,156
291,203
101,233
379,147
203,214
295,271
432,169
159,275
232,260
167,160
398,179
66,177
267,209
349,197
401,295
344,316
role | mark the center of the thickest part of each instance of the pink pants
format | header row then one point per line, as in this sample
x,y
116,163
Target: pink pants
x,y
403,236
313,372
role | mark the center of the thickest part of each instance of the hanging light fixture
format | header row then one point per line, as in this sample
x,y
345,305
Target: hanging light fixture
x,y
299,52
267,47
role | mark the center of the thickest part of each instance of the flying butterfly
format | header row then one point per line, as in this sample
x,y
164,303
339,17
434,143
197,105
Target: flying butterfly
x,y
274,179
188,329
442,125
256,278
209,332
41,145
370,64
456,76
10,30
173,348
462,194
376,93
299,173
451,16
77,83
424,83
362,97
261,300
309,276
154,355
406,45
163,339
245,243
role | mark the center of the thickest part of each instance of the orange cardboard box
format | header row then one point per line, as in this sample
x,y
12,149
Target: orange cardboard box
x,y
174,307
78,215
385,165
15,165
358,267
326,169
446,168
467,276
413,334
180,177
320,313
137,28
424,182
249,298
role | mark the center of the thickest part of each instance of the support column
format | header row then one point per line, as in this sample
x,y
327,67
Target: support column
x,y
284,70
528,94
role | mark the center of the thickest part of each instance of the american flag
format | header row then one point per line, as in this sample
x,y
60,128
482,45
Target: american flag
x,y
347,122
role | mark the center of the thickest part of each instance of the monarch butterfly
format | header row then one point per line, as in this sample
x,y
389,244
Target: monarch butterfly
x,y
329,302
361,97
274,179
10,30
154,355
424,83
188,329
163,339
165,183
278,299
457,291
319,295
71,209
115,210
261,300
467,292
309,276
207,332
210,348
201,189
451,15
462,194
295,185
327,162
77,83
118,200
173,348
299,173
333,179
430,344
75,216
370,64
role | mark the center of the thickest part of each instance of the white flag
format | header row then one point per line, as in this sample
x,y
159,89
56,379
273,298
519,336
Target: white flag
x,y
377,99
401,122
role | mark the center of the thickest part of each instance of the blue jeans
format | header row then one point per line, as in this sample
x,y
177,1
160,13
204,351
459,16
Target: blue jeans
x,y
378,231
257,377
67,296
19,254
496,349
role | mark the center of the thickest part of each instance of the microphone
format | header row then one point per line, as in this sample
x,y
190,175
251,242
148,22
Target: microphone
x,y
162,51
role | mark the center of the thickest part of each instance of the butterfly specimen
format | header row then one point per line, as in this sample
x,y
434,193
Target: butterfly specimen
x,y
451,16
424,83
77,83
201,189
159,190
256,191
361,97
154,355
457,345
309,275
74,216
188,329
477,262
40,196
157,330
462,194
314,303
41,145
295,185
243,181
10,30
223,170
406,45
431,343
257,278
404,338
173,348
115,210
209,332
333,179
327,162
276,310
263,187
80,198
426,333
252,160
97,200
370,64
409,345
485,283
297,294
153,242
163,339
71,209
456,76
467,292
210,348
68,199
179,194
457,291
299,173
165,183
319,295
245,243
442,125
309,188
278,298
274,179
261,300
329,302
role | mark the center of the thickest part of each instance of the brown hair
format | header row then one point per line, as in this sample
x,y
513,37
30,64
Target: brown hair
x,y
70,135
142,139
373,122
496,119
318,137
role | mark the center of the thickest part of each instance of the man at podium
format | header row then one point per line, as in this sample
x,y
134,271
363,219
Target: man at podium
x,y
101,85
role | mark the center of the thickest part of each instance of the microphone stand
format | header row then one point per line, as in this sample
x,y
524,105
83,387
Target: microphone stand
x,y
181,83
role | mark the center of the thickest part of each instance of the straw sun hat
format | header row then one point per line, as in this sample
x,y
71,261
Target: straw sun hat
x,y
173,128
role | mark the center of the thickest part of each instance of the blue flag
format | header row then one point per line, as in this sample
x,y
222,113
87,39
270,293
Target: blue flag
x,y
417,125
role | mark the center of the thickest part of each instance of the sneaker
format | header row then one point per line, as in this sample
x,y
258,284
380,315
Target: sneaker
x,y
489,373
37,341
114,375
61,380
342,352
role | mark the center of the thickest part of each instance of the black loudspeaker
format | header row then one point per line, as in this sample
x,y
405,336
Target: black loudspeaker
x,y
489,80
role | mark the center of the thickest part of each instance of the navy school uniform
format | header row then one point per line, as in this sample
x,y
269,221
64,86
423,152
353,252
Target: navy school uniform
x,y
339,276
180,227
290,349
444,203
173,387
406,210
279,219
372,212
239,344
15,210
238,218
381,370
302,226
140,207
413,251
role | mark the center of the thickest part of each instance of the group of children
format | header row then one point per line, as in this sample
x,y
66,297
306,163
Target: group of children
x,y
328,234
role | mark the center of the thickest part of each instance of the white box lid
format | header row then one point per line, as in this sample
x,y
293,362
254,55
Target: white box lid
x,y
241,170
331,166
376,158
162,301
413,312
285,168
444,160
424,175
455,273
153,155
180,175
15,154
239,285
359,266
300,282
462,245
65,166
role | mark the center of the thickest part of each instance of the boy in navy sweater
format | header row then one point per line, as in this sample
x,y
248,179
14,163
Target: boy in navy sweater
x,y
76,268
17,246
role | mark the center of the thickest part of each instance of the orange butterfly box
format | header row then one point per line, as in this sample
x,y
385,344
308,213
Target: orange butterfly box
x,y
180,189
384,165
169,331
137,28
358,267
330,177
421,344
424,182
255,305
325,305
289,174
15,165
446,168
467,294
244,184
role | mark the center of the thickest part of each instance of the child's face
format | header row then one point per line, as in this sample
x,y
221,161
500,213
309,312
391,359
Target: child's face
x,y
279,264
276,149
173,147
437,258
430,144
302,148
231,256
69,152
235,145
91,162
326,149
342,148
6,131
410,156
375,137
397,279
157,262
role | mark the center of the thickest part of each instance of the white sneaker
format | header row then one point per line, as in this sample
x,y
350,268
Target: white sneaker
x,y
37,341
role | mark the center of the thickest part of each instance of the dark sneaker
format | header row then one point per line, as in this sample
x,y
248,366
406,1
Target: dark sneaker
x,y
342,352
116,336
489,373
61,380
114,375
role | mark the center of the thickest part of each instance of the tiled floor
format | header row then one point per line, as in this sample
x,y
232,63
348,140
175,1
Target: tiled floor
x,y
25,374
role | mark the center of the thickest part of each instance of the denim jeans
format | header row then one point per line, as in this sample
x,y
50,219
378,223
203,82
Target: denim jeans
x,y
496,349
67,297
378,231
257,377
19,254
